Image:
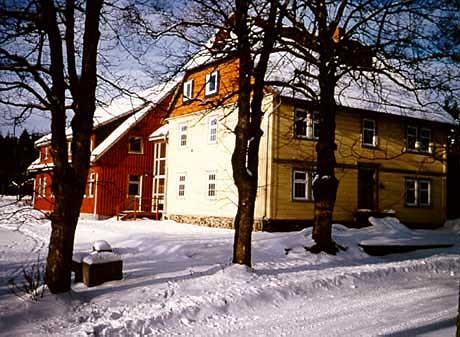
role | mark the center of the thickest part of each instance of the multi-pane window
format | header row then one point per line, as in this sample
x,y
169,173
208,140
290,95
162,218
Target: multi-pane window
x,y
302,185
369,136
306,124
134,185
42,186
212,82
183,135
418,139
424,139
212,130
188,90
418,192
91,182
181,186
135,145
211,185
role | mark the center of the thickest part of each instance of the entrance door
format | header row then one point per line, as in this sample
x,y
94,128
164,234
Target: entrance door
x,y
367,187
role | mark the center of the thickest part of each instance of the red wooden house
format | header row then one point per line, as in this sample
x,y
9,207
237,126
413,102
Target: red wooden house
x,y
121,177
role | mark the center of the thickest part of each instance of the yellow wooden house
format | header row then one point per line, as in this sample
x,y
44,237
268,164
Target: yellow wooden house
x,y
390,157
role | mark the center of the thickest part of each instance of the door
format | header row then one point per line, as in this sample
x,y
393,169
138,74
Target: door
x,y
367,187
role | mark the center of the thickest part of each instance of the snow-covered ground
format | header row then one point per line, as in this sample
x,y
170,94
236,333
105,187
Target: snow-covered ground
x,y
178,281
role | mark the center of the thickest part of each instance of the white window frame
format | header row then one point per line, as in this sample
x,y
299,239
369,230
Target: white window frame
x,y
372,130
138,183
307,182
422,138
208,90
213,125
211,184
183,134
42,186
311,121
187,93
181,185
130,150
91,184
417,190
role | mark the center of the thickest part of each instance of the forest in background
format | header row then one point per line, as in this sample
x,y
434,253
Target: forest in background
x,y
16,155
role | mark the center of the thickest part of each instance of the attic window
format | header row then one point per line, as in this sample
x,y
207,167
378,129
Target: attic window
x,y
188,90
135,145
212,81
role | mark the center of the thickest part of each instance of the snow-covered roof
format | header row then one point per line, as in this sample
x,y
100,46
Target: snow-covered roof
x,y
385,97
120,107
36,166
161,91
160,134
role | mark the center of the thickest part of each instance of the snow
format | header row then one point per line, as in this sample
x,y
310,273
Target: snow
x,y
101,246
178,281
101,257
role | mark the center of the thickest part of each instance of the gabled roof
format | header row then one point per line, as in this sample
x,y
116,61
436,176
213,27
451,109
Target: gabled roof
x,y
157,94
118,108
387,97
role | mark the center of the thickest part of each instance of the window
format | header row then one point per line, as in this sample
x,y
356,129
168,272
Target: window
x,y
135,145
91,182
42,186
306,124
46,152
368,136
418,192
211,185
134,185
302,185
188,90
183,135
212,81
181,186
212,130
425,140
418,139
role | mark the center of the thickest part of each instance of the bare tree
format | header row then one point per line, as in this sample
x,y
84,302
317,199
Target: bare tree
x,y
41,62
371,43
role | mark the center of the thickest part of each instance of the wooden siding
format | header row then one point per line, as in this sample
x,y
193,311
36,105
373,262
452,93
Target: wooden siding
x,y
227,88
394,164
113,168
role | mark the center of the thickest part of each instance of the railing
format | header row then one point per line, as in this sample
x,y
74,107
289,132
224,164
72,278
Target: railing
x,y
135,206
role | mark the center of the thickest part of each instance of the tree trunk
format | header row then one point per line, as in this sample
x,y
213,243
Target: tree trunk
x,y
69,179
63,225
326,184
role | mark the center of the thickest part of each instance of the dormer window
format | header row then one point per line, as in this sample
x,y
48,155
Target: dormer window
x,y
188,90
212,81
135,145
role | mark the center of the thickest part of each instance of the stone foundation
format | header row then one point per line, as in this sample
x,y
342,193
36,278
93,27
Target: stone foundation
x,y
210,221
